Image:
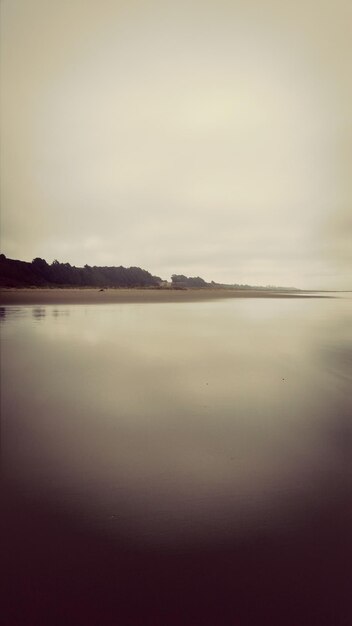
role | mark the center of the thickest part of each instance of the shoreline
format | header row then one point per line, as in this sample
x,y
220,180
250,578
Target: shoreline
x,y
23,296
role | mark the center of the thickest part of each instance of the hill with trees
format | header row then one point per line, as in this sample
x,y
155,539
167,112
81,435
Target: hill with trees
x,y
179,281
39,273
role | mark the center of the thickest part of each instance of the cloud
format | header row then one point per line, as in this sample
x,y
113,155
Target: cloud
x,y
209,139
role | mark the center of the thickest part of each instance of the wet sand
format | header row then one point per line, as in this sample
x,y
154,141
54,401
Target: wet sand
x,y
113,439
95,296
65,572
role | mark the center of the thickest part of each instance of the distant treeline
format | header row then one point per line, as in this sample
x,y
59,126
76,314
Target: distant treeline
x,y
39,273
182,282
179,281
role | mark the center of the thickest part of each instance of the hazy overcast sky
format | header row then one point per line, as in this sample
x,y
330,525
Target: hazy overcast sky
x,y
209,138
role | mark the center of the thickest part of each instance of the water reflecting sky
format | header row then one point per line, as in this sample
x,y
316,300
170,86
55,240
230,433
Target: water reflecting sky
x,y
163,425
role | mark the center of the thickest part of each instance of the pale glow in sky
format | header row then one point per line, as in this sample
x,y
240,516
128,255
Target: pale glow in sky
x,y
206,138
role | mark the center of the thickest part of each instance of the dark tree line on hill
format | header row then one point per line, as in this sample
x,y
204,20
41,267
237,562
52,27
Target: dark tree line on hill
x,y
39,273
181,281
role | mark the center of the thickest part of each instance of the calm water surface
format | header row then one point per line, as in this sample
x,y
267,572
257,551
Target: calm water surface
x,y
180,464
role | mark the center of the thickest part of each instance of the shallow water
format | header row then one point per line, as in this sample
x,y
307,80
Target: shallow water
x,y
179,464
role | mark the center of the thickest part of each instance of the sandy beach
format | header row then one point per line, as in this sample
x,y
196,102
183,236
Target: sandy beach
x,y
95,296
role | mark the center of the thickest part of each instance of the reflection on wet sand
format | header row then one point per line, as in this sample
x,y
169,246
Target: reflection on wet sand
x,y
38,312
179,464
59,312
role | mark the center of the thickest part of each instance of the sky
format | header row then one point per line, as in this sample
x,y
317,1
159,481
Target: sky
x,y
205,138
